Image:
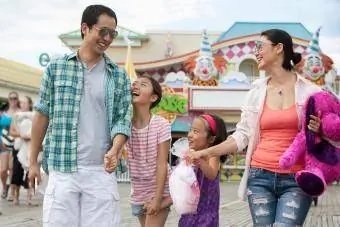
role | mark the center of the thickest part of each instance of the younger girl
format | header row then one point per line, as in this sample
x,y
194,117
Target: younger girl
x,y
148,151
207,130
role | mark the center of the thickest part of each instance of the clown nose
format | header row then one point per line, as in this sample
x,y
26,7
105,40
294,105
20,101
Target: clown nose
x,y
315,70
205,71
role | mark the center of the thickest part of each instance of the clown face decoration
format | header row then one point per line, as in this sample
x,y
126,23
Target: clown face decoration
x,y
314,68
205,68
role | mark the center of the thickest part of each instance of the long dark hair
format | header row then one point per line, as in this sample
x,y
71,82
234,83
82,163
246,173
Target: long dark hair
x,y
156,89
30,103
277,36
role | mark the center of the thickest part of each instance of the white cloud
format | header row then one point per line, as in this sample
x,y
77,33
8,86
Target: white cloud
x,y
29,28
331,47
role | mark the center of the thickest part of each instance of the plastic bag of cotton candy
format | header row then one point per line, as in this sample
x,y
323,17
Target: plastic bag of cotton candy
x,y
183,184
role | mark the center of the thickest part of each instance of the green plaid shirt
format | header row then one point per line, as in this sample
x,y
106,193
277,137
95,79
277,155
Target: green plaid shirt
x,y
59,99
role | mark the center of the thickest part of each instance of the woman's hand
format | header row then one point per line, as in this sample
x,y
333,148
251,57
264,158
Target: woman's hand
x,y
195,156
315,123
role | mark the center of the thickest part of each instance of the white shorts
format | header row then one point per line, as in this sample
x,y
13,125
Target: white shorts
x,y
85,198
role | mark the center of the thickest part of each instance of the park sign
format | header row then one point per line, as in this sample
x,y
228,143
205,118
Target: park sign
x,y
171,104
44,59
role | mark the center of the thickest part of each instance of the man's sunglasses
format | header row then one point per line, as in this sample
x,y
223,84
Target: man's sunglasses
x,y
104,31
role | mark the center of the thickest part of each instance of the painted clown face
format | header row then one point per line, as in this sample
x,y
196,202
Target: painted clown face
x,y
313,67
205,68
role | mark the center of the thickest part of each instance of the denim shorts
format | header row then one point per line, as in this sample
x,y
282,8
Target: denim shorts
x,y
276,198
138,210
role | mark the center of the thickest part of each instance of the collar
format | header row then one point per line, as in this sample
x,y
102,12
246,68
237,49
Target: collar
x,y
264,81
111,64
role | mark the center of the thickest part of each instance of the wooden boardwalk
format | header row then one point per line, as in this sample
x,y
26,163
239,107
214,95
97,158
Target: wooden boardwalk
x,y
233,213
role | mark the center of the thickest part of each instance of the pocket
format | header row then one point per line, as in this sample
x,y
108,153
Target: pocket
x,y
49,199
65,89
254,172
112,186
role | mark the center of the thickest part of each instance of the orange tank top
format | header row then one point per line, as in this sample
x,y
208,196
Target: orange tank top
x,y
278,129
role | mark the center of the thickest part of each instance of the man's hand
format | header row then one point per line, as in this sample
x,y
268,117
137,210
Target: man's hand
x,y
34,174
111,161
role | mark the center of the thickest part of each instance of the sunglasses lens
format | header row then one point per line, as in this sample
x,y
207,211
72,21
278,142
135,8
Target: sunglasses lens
x,y
103,32
106,31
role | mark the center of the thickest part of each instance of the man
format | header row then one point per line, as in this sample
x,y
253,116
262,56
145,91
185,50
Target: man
x,y
84,108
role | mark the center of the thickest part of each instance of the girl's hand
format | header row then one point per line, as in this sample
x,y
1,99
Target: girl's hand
x,y
196,155
153,207
315,123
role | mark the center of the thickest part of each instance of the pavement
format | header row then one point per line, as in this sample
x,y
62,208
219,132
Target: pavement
x,y
232,211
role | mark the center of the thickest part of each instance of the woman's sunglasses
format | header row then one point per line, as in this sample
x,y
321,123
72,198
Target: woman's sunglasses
x,y
104,31
13,98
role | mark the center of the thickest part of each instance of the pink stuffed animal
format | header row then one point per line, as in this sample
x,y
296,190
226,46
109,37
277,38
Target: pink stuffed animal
x,y
322,155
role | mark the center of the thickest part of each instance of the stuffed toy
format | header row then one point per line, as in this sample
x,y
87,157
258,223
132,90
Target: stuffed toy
x,y
322,155
205,67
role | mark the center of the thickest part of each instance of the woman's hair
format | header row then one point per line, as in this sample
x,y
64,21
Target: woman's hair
x,y
30,103
156,89
220,131
14,93
277,36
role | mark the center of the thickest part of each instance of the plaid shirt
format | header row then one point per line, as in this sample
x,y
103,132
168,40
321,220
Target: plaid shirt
x,y
59,99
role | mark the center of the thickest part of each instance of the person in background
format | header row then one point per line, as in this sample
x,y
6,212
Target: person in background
x,y
19,178
7,141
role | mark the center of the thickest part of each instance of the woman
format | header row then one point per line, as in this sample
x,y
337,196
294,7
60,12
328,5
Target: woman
x,y
5,154
19,178
269,122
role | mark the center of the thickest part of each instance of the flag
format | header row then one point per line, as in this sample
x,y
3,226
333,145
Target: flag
x,y
129,68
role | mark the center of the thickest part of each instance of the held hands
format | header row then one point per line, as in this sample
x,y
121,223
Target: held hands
x,y
111,161
196,156
153,207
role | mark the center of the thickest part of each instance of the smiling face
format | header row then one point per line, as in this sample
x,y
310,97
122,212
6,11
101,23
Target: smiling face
x,y
25,104
205,68
313,67
198,135
142,92
13,100
267,53
100,35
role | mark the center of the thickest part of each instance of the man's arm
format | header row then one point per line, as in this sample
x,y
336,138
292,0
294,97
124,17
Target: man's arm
x,y
122,127
39,127
40,120
40,124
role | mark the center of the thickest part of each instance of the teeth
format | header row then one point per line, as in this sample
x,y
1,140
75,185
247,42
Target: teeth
x,y
102,44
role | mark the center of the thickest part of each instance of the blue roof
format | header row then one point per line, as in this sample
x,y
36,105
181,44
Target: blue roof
x,y
239,29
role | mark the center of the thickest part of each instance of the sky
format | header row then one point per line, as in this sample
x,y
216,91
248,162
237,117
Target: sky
x,y
31,27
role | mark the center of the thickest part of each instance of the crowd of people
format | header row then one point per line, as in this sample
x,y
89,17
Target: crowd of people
x,y
14,174
88,110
